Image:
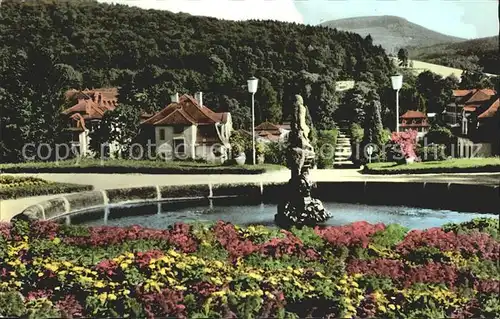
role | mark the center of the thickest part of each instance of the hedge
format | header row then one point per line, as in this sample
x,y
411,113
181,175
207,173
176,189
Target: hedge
x,y
12,187
132,166
465,165
220,270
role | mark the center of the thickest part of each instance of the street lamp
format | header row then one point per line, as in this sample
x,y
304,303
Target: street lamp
x,y
369,150
253,82
397,83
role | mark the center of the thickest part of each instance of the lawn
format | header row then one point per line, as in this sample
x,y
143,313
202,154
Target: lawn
x,y
15,187
222,270
134,166
462,165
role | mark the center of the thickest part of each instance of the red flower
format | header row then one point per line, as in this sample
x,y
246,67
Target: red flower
x,y
355,234
479,244
107,267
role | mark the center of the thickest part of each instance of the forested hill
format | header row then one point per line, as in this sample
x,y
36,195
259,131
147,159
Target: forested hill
x,y
477,54
48,46
392,32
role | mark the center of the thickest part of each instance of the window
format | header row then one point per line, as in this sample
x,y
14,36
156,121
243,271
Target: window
x,y
162,134
179,147
178,129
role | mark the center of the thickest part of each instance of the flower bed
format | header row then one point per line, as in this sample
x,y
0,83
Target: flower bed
x,y
16,187
202,270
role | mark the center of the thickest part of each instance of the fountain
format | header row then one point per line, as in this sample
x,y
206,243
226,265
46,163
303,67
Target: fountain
x,y
299,208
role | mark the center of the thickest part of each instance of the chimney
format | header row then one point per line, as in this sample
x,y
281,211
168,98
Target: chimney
x,y
199,98
174,98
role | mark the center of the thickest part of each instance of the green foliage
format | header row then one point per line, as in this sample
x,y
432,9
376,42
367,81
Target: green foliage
x,y
276,153
436,91
11,304
390,236
124,166
352,106
477,54
357,133
461,165
478,80
403,57
325,148
373,129
439,135
120,127
434,152
482,224
37,190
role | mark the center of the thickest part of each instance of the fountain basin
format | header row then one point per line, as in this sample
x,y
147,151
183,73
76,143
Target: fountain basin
x,y
442,197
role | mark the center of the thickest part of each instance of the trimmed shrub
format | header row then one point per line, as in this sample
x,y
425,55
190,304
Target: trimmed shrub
x,y
435,152
325,152
38,188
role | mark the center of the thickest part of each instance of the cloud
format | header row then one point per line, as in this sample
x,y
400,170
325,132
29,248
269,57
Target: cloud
x,y
281,10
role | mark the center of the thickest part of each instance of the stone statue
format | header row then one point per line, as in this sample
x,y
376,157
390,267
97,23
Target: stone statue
x,y
299,208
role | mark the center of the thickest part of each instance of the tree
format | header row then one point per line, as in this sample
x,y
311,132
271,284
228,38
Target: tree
x,y
436,91
119,127
403,57
373,129
353,103
475,80
266,103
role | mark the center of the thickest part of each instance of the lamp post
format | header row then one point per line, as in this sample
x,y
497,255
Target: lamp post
x,y
253,82
369,150
397,83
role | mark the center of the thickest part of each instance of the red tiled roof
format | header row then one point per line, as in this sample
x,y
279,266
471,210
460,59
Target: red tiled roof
x,y
491,111
479,96
461,93
187,111
107,93
91,104
267,126
414,125
413,114
470,108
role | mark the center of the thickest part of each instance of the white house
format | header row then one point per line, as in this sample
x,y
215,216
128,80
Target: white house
x,y
187,129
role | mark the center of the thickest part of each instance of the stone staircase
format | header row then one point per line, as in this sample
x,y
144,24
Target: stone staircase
x,y
343,150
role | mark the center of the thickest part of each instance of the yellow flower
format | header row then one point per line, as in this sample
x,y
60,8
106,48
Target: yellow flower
x,y
382,308
269,295
40,274
52,267
124,265
102,297
126,292
56,240
255,276
99,284
111,296
392,307
130,255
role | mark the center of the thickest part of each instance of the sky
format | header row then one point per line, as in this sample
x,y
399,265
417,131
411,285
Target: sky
x,y
462,18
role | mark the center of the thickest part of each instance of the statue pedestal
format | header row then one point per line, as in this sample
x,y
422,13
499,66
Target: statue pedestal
x,y
300,209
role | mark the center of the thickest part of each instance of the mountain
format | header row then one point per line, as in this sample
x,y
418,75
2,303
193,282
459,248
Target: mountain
x,y
391,32
478,54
